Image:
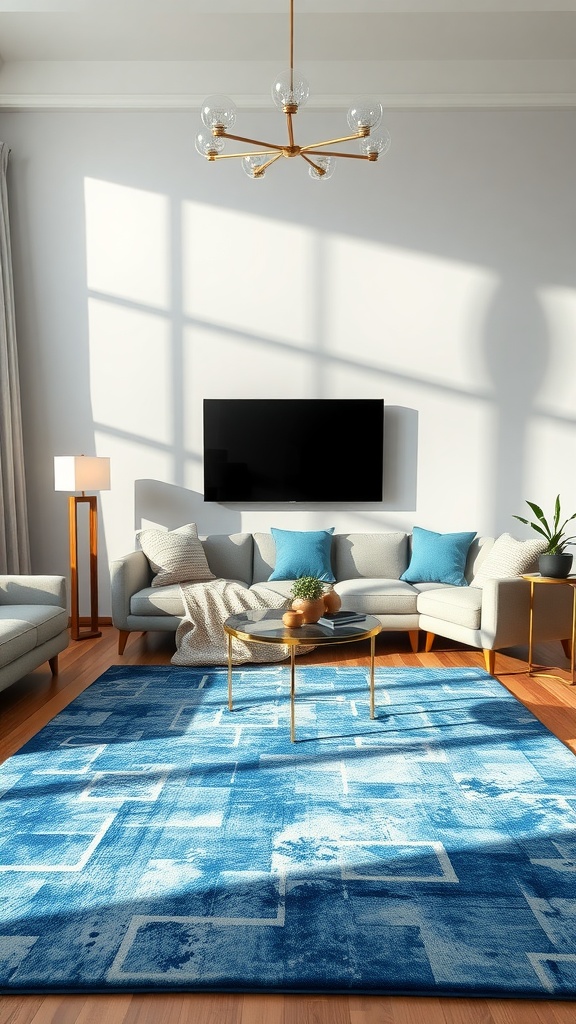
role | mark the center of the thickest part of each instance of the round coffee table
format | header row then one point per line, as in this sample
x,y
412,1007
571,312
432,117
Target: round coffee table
x,y
266,627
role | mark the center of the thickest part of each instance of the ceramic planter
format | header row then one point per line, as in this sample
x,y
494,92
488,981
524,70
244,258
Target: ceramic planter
x,y
556,566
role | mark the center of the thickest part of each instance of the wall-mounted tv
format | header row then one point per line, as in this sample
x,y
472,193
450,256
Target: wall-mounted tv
x,y
293,449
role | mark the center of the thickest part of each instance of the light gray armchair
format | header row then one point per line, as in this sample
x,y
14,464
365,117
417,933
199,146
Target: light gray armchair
x,y
33,624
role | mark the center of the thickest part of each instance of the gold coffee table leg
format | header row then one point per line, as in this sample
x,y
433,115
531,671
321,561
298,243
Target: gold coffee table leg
x,y
573,639
372,646
229,672
292,693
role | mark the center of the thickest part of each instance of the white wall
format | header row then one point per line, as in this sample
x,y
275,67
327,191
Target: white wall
x,y
442,279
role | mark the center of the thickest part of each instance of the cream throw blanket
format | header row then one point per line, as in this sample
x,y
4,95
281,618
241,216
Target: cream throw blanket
x,y
200,637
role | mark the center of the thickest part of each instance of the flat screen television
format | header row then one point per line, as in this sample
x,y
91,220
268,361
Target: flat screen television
x,y
293,449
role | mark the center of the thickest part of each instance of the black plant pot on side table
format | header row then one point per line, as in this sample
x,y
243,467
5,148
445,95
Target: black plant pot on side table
x,y
555,566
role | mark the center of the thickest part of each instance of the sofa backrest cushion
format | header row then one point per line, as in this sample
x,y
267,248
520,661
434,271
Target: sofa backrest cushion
x,y
230,556
477,553
370,555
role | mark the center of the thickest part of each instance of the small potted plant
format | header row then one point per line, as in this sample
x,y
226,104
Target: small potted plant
x,y
308,597
554,562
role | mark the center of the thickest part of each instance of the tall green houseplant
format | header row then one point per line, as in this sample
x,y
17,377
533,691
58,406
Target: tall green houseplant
x,y
554,562
554,534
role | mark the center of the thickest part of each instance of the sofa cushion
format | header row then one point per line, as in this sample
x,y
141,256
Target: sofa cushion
x,y
17,634
176,556
459,605
377,596
48,620
370,555
157,601
438,557
230,555
509,557
302,553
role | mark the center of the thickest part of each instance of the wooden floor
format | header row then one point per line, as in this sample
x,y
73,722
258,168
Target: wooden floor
x,y
27,705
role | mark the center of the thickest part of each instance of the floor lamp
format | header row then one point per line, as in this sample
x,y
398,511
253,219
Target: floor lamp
x,y
82,473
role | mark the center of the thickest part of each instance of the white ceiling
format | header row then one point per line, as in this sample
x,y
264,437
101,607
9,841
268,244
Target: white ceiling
x,y
170,53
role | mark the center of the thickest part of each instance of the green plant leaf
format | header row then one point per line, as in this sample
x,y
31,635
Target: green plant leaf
x,y
557,512
539,515
554,534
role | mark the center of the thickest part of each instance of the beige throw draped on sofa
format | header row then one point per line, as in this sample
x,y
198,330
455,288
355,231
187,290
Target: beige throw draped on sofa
x,y
14,543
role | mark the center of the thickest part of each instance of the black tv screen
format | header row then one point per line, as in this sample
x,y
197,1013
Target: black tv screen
x,y
293,449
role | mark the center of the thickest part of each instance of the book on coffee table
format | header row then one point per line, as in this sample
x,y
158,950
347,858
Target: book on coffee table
x,y
341,618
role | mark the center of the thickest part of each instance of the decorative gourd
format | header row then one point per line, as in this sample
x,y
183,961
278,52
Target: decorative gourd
x,y
293,618
332,601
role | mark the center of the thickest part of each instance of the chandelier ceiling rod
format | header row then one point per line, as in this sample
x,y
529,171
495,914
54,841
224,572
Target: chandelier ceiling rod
x,y
290,91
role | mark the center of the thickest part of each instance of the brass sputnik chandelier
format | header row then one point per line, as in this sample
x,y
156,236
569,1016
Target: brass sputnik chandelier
x,y
290,91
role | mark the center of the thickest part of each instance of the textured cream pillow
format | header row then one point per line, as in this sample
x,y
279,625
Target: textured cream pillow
x,y
177,556
509,557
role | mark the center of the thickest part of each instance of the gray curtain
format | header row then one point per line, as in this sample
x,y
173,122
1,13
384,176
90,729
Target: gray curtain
x,y
14,542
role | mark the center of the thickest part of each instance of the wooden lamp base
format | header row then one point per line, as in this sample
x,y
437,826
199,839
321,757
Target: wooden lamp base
x,y
75,632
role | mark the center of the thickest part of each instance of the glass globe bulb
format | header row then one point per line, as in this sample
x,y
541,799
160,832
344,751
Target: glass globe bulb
x,y
218,111
364,113
251,165
290,90
327,164
208,144
375,143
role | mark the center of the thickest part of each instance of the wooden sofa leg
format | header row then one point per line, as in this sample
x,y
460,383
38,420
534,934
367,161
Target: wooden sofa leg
x,y
414,637
430,638
53,662
567,648
489,660
123,635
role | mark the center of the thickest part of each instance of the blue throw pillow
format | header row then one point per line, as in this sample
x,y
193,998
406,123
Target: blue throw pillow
x,y
303,553
438,557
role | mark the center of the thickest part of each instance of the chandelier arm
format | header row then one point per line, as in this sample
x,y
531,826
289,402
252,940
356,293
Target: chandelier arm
x,y
316,167
233,156
350,156
263,167
252,142
333,142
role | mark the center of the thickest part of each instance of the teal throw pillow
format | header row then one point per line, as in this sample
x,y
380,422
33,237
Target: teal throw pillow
x,y
438,557
303,553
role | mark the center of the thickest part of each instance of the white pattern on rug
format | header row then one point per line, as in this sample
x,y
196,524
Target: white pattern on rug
x,y
200,637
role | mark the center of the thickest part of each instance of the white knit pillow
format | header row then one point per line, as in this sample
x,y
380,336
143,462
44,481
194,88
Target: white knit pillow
x,y
177,556
509,557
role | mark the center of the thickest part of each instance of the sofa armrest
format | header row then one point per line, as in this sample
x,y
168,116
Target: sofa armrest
x,y
128,575
505,613
43,590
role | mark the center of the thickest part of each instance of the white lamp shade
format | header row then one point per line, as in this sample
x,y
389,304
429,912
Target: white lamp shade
x,y
81,473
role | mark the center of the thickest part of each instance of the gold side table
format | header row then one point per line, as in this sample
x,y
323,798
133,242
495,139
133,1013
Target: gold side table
x,y
266,627
569,581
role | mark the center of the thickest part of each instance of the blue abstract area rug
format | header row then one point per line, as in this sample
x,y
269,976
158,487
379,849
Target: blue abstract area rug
x,y
151,840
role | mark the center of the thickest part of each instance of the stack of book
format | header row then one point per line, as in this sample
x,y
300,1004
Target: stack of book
x,y
341,618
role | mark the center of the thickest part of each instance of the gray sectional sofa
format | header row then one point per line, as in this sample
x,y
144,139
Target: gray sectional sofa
x,y
367,568
33,624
